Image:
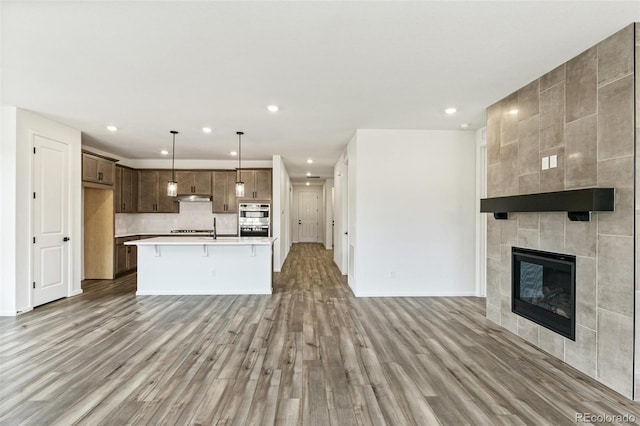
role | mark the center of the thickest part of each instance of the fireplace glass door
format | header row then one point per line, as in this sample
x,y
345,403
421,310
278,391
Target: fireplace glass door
x,y
543,289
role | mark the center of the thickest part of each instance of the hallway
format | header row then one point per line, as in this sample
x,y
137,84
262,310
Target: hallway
x,y
309,354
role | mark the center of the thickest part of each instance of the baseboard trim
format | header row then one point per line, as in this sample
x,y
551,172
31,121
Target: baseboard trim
x,y
418,294
19,311
204,293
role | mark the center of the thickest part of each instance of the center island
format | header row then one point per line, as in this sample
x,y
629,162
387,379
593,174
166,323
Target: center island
x,y
201,265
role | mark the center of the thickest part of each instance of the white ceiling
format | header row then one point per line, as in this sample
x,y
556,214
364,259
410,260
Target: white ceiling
x,y
333,67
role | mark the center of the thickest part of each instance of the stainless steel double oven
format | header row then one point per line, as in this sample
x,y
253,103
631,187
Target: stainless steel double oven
x,y
254,220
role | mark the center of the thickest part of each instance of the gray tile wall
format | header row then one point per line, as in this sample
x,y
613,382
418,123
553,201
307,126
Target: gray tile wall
x,y
583,112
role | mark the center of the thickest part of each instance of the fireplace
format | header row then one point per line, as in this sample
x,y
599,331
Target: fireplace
x,y
543,289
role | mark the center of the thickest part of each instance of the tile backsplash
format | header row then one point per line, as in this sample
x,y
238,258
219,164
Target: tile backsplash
x,y
191,216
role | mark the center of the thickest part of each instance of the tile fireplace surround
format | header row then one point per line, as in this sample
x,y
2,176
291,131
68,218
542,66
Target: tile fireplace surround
x,y
583,112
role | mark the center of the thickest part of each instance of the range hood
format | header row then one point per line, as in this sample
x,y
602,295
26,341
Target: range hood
x,y
193,198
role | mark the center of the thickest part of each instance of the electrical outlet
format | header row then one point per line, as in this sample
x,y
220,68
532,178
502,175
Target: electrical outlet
x,y
545,163
212,272
392,275
553,161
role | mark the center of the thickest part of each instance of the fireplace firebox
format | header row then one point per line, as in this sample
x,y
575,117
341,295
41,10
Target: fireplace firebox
x,y
543,289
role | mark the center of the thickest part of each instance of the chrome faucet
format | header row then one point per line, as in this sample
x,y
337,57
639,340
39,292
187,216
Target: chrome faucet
x,y
214,234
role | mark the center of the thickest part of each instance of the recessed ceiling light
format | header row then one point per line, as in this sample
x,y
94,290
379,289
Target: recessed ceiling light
x,y
513,111
164,152
308,173
206,129
464,126
112,128
309,161
450,110
307,183
273,108
233,153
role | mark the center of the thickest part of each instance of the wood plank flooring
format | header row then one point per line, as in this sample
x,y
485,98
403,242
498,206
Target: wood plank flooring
x,y
310,354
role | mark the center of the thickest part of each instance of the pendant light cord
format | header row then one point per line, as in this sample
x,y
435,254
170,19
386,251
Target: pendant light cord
x,y
173,157
239,154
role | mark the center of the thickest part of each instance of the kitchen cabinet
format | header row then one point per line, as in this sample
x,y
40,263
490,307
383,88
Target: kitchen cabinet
x,y
152,192
117,191
257,184
193,182
126,257
263,184
147,191
97,169
125,191
224,192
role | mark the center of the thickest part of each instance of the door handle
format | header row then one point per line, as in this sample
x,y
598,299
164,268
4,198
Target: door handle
x,y
65,239
346,233
299,222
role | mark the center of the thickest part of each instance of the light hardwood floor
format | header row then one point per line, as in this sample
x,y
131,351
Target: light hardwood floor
x,y
309,354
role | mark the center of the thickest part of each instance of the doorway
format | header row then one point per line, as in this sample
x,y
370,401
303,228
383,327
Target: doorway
x,y
98,234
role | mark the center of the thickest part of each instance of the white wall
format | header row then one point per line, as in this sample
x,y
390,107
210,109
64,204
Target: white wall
x,y
16,194
7,208
165,163
8,211
280,213
353,192
412,212
187,164
481,218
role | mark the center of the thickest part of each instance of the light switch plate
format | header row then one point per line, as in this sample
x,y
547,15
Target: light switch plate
x,y
553,161
545,163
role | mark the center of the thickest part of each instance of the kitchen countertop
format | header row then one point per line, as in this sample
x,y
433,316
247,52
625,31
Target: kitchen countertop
x,y
195,240
158,234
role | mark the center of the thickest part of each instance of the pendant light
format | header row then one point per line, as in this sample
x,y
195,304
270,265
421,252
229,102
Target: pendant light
x,y
172,187
239,182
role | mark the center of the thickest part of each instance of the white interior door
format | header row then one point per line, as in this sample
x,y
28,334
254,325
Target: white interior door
x,y
308,217
50,220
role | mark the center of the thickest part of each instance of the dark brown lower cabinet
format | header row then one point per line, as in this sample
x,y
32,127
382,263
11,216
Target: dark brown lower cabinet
x,y
126,257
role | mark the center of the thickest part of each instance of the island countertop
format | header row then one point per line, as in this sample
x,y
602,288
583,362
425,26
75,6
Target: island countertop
x,y
203,240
